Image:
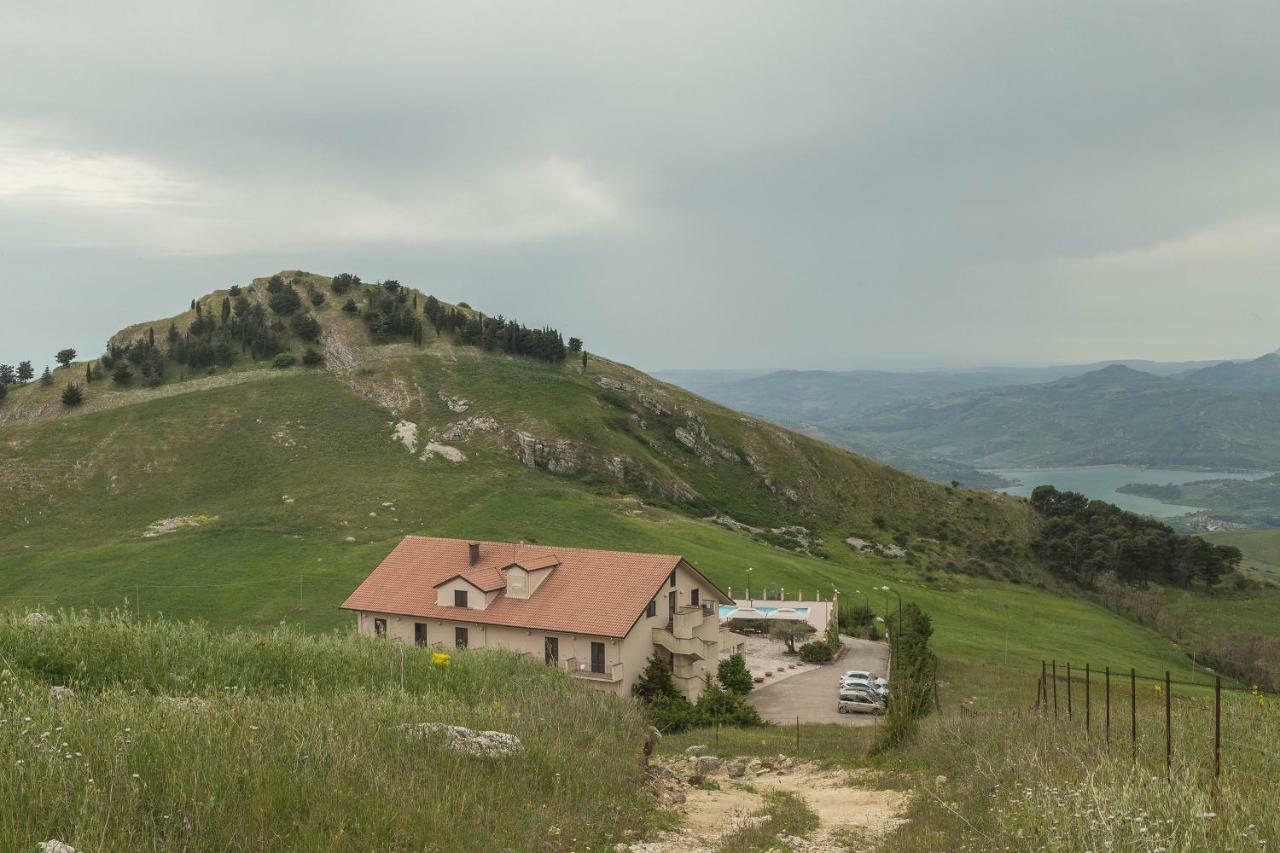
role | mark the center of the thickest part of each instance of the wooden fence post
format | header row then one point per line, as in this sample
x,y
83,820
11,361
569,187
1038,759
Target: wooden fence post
x,y
1108,705
1217,726
1068,691
1168,728
1133,710
1055,690
1088,708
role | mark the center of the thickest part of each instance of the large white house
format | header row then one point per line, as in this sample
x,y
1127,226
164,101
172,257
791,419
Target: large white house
x,y
597,614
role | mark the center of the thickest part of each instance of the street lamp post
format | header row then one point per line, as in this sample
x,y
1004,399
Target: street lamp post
x,y
886,591
749,604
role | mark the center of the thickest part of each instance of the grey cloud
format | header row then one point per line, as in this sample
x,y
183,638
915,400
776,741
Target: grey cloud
x,y
709,185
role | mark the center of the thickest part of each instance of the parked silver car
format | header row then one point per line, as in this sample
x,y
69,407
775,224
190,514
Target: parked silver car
x,y
859,702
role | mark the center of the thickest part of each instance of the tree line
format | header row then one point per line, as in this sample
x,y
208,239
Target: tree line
x,y
1084,539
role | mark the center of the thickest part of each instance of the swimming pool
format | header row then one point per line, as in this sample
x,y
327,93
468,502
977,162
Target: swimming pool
x,y
726,609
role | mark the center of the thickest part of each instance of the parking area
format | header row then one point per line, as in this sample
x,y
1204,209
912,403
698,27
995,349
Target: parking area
x,y
811,695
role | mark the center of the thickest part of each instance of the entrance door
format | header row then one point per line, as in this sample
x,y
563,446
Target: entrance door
x,y
671,607
420,633
597,657
460,637
551,650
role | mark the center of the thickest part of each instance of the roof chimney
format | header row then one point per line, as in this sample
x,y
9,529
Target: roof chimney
x,y
473,553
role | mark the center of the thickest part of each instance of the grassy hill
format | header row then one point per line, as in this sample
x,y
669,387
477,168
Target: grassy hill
x,y
284,487
175,737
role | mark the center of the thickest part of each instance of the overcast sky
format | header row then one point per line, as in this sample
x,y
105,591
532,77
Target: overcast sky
x,y
738,184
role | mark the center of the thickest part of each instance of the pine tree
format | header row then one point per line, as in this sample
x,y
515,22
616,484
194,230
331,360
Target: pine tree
x,y
88,372
72,396
734,675
226,310
46,378
151,337
584,359
25,371
655,680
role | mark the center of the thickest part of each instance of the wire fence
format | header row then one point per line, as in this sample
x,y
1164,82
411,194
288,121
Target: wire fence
x,y
1107,703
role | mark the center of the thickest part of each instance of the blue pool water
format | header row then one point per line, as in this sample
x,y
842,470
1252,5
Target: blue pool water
x,y
726,609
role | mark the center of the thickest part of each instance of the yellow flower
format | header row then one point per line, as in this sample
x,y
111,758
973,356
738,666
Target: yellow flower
x,y
439,659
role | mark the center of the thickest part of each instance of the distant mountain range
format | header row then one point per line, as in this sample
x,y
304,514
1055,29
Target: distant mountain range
x,y
949,424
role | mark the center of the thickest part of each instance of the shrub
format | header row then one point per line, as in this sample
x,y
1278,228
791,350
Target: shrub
x,y
816,652
4,392
350,306
285,301
311,358
316,296
72,396
734,675
283,360
122,375
724,707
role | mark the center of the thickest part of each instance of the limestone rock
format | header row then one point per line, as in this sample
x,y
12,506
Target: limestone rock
x,y
705,765
482,744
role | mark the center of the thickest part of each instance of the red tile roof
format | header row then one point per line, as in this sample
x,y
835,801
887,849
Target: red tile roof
x,y
600,593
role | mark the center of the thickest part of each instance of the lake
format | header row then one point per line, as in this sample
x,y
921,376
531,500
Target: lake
x,y
1101,481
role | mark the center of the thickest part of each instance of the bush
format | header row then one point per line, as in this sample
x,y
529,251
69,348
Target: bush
x,y
311,358
724,707
734,675
122,375
72,396
816,652
283,360
285,301
350,306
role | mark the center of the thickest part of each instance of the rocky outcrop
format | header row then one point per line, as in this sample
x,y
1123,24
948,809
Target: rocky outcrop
x,y
465,428
481,744
433,449
457,405
864,546
558,457
37,619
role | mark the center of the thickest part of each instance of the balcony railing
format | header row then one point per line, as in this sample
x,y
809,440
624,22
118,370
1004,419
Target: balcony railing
x,y
690,645
582,669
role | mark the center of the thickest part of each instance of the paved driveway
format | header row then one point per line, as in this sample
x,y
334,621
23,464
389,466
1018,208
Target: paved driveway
x,y
811,696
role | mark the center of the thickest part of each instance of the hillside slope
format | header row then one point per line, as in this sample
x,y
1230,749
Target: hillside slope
x,y
255,496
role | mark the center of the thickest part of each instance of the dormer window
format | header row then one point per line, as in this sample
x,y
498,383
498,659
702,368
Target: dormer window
x,y
459,598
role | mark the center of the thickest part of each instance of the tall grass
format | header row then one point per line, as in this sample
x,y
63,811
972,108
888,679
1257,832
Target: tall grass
x,y
1028,782
181,738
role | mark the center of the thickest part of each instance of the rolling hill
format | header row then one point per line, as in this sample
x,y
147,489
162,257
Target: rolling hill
x,y
246,494
1116,415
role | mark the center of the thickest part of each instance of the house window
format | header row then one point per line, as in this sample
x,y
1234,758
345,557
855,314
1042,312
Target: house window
x,y
380,627
551,650
459,598
651,609
460,636
420,633
597,657
672,580
693,596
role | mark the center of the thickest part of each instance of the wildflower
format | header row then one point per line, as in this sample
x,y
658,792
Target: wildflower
x,y
440,659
